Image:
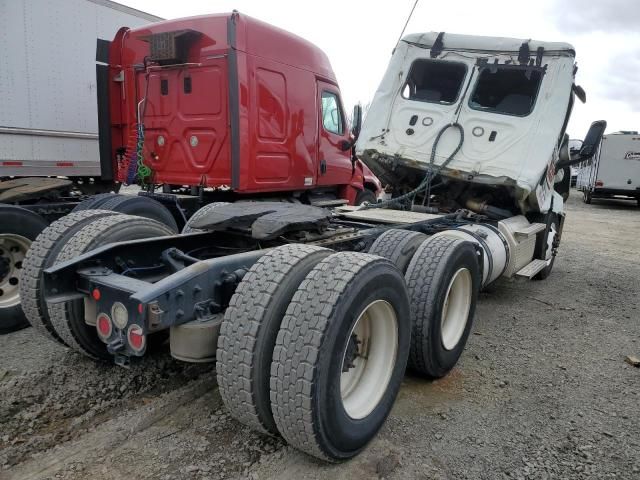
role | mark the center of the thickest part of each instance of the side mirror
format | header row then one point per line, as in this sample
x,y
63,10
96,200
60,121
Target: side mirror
x,y
589,145
579,92
357,122
592,139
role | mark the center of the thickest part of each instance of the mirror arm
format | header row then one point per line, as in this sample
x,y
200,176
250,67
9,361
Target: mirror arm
x,y
572,161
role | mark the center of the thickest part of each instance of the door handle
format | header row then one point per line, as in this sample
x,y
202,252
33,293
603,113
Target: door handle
x,y
323,167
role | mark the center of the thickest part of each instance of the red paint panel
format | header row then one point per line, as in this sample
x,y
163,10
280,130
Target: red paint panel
x,y
272,104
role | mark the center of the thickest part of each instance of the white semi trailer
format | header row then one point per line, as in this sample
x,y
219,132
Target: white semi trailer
x,y
614,171
49,148
312,315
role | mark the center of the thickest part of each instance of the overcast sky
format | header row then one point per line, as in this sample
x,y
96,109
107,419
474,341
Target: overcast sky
x,y
358,37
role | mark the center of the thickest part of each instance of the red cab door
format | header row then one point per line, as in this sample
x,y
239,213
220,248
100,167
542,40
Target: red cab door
x,y
334,164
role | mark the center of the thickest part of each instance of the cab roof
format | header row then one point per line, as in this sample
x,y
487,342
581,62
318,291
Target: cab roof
x,y
477,43
244,33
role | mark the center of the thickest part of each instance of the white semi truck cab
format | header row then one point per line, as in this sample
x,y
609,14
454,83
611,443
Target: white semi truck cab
x,y
498,106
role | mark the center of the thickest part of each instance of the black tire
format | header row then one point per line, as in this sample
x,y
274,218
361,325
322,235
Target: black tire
x,y
398,246
310,349
586,197
23,226
552,222
42,255
202,212
94,202
250,327
428,279
68,318
365,195
142,207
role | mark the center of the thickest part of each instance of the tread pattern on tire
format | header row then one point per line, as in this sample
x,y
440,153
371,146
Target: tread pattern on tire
x,y
163,214
82,241
202,212
237,341
94,201
392,243
424,269
38,258
294,366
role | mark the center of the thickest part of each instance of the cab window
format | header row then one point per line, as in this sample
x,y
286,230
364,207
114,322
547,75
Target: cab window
x,y
434,81
508,89
332,113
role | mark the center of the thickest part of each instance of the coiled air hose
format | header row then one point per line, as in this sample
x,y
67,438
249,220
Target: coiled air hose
x,y
425,184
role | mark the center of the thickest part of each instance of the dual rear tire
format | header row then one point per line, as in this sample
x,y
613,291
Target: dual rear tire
x,y
63,240
314,346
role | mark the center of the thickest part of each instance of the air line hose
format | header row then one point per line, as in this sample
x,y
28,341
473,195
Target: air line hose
x,y
425,184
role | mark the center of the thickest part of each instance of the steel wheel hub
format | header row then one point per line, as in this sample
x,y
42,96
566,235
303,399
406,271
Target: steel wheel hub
x,y
369,359
13,249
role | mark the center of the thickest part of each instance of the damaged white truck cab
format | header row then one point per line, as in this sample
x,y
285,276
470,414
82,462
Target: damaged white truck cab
x,y
510,101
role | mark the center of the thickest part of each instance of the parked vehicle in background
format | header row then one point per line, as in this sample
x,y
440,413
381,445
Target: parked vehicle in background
x,y
614,171
311,314
49,152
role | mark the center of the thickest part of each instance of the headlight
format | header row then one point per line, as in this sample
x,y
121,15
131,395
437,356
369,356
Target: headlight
x,y
119,315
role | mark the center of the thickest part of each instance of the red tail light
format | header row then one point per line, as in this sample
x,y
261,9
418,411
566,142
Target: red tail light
x,y
599,183
136,338
104,326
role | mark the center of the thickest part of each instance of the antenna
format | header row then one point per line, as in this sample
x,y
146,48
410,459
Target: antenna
x,y
407,22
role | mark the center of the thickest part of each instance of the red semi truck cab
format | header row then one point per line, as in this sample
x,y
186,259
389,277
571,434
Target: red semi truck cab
x,y
229,102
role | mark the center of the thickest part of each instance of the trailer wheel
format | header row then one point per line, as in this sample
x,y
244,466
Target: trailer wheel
x,y
142,207
250,327
365,195
42,255
68,318
398,246
443,279
547,243
202,212
20,227
94,201
586,197
340,355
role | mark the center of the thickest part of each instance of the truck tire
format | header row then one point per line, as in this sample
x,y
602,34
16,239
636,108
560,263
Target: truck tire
x,y
142,207
328,398
398,246
250,327
19,227
586,197
365,195
547,243
443,279
42,255
68,318
94,202
202,212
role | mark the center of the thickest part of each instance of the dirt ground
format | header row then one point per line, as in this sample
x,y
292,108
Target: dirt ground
x,y
542,391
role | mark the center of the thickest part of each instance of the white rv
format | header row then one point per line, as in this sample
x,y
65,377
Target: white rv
x,y
615,170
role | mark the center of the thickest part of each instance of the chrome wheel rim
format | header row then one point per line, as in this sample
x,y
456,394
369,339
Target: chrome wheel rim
x,y
369,359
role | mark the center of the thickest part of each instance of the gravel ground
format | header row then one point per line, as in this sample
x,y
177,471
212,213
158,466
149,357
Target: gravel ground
x,y
542,391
